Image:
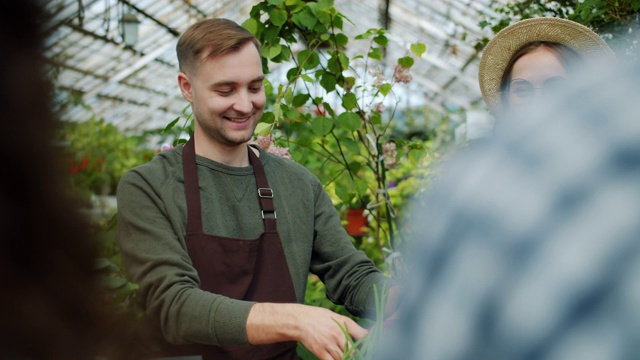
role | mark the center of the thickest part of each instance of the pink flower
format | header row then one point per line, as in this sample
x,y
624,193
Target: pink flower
x,y
164,148
390,154
279,151
266,143
377,73
402,75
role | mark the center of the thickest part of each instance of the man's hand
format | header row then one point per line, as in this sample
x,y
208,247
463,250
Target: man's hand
x,y
316,328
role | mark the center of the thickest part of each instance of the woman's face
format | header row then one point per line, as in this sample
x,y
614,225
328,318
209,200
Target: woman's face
x,y
536,73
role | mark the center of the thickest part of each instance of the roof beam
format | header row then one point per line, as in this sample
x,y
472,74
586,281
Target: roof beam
x,y
142,62
193,7
173,31
66,13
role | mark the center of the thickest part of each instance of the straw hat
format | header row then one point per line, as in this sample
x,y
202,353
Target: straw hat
x,y
509,40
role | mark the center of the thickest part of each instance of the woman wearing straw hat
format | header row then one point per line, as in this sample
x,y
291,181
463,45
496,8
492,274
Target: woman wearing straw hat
x,y
533,57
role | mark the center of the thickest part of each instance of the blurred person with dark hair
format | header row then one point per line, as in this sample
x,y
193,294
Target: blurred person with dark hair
x,y
51,308
529,245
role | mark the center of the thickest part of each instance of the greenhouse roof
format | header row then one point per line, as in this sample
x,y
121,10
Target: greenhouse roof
x,y
135,87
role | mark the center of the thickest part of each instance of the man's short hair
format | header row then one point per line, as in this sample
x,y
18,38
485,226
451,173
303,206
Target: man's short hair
x,y
210,38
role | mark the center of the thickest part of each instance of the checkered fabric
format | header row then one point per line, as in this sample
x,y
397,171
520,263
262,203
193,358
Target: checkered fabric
x,y
528,246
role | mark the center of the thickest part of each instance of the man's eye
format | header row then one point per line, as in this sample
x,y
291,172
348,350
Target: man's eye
x,y
255,88
224,92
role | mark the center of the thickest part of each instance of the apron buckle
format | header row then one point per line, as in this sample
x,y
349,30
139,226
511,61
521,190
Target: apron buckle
x,y
265,193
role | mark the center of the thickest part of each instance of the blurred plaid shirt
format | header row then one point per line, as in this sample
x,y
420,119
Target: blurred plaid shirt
x,y
528,245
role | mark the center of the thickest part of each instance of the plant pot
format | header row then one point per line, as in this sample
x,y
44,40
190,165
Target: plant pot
x,y
356,222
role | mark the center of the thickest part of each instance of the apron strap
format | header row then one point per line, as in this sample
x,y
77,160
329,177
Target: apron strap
x,y
265,194
191,188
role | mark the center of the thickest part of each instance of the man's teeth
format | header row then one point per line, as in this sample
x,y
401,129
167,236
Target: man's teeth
x,y
238,120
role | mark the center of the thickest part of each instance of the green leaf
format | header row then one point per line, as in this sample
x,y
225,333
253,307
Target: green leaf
x,y
376,54
385,89
114,283
349,101
308,59
328,81
584,14
288,96
324,18
381,40
351,145
344,60
328,108
275,2
292,74
267,117
348,82
271,35
321,125
360,185
376,118
312,7
271,51
355,167
300,100
305,19
251,25
278,17
292,114
305,140
350,121
337,22
307,78
418,49
406,62
285,55
263,129
101,263
366,34
341,39
344,194
325,4
333,64
171,125
416,155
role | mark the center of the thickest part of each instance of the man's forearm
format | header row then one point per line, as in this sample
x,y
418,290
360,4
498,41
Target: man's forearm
x,y
270,323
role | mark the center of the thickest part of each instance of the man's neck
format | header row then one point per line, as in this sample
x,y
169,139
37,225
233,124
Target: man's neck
x,y
235,155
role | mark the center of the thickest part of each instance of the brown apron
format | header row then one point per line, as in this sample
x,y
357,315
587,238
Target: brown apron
x,y
245,269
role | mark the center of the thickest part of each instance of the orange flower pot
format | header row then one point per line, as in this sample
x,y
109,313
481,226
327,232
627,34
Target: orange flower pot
x,y
356,222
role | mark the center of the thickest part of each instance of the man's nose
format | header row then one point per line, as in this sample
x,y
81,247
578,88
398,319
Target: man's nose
x,y
243,102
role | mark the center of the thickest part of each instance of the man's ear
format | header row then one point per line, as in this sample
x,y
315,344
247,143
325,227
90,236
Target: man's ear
x,y
185,86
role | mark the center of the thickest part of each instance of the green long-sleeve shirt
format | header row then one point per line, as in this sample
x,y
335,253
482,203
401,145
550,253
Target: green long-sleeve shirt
x,y
152,219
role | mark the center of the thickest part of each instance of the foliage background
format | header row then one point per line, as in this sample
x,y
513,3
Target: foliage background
x,y
335,111
618,22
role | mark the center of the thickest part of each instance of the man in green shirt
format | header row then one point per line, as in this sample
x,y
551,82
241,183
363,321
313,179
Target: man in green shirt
x,y
221,236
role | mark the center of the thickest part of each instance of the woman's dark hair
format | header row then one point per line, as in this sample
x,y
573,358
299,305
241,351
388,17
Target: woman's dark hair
x,y
51,306
567,57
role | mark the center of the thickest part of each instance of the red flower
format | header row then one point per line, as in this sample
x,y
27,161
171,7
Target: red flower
x,y
320,110
74,168
84,163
